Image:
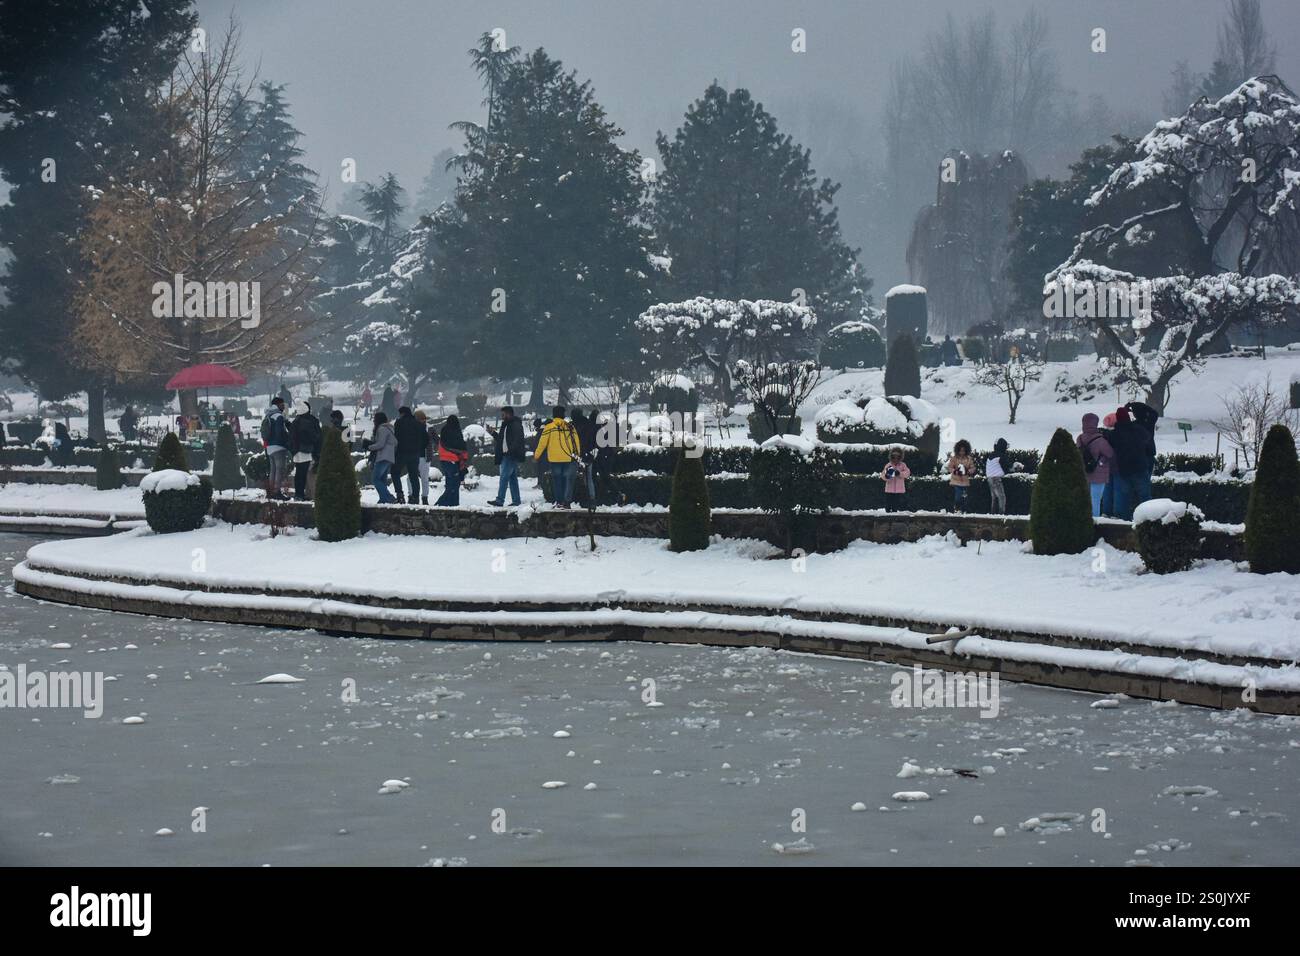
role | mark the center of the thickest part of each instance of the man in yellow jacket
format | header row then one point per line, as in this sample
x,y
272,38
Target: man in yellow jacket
x,y
558,445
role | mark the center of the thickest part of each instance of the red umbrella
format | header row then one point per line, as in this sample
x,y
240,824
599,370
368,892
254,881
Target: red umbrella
x,y
206,376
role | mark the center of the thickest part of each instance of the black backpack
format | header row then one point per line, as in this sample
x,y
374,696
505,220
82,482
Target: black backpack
x,y
1090,461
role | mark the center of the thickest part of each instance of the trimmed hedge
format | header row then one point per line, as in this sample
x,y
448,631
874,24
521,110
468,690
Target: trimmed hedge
x,y
19,456
171,455
1179,461
1060,512
108,471
688,510
178,510
793,486
338,497
226,474
1167,548
1273,516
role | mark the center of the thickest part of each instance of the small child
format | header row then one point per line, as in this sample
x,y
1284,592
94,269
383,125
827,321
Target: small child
x,y
997,466
896,474
961,467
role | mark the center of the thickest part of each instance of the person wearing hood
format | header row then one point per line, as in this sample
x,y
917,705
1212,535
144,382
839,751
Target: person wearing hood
x,y
1134,449
453,456
127,423
1098,456
305,442
62,450
558,445
996,467
383,451
412,437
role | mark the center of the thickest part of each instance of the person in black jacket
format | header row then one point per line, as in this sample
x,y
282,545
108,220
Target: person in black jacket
x,y
127,423
586,427
1135,451
305,443
412,437
1145,417
508,449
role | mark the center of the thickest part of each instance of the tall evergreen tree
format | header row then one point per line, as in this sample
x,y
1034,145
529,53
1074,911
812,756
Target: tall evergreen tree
x,y
79,81
384,206
543,263
439,186
270,154
742,215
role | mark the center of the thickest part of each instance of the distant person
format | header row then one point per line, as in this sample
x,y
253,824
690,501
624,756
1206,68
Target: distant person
x,y
383,451
509,449
61,451
366,398
453,458
388,404
127,423
305,440
285,396
997,467
182,427
961,468
1146,418
896,474
344,427
427,454
948,352
587,429
1135,449
1098,456
276,438
558,446
412,437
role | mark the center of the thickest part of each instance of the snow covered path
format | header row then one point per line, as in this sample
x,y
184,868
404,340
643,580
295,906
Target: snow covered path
x,y
1212,607
291,773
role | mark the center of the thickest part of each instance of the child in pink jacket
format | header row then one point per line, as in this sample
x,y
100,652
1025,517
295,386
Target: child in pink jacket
x,y
896,474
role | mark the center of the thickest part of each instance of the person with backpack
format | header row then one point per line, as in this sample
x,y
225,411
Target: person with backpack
x,y
1098,456
412,437
509,450
558,446
383,451
896,474
961,468
453,457
305,440
276,438
996,467
1135,450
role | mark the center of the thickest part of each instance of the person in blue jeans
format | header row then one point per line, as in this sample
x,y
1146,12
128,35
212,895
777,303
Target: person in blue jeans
x,y
558,445
509,451
383,446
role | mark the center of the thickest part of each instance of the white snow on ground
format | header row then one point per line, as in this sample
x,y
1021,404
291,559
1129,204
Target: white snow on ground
x,y
1213,607
69,499
1165,511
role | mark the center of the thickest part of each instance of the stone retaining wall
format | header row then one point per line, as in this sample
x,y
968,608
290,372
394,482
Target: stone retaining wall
x,y
63,476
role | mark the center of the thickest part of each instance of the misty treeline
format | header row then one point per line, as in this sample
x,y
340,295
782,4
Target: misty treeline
x,y
138,149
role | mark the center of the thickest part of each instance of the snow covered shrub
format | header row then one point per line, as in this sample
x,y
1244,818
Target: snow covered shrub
x,y
1182,461
175,500
906,311
171,455
1168,534
885,420
975,349
338,498
854,344
108,470
1273,515
689,518
226,474
676,394
793,478
903,368
257,467
1060,511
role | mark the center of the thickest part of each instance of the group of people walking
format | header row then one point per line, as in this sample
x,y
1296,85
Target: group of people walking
x,y
1119,456
408,446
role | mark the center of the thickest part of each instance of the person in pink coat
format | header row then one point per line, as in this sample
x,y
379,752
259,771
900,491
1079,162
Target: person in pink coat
x,y
896,474
1096,451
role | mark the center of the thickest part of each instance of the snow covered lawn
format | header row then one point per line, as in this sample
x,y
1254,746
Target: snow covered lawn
x,y
1105,593
18,498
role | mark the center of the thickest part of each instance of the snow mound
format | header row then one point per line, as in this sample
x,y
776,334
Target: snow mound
x,y
798,443
911,796
905,289
1165,510
169,479
281,679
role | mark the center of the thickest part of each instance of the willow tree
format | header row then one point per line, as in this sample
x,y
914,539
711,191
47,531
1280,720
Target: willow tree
x,y
187,264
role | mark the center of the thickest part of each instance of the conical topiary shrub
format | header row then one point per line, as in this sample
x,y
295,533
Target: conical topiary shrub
x,y
689,517
903,368
338,499
108,470
171,455
1060,511
1273,514
226,473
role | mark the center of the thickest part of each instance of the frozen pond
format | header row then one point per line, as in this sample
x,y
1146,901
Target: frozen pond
x,y
741,742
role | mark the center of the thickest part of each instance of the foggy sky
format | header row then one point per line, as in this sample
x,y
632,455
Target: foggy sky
x,y
381,80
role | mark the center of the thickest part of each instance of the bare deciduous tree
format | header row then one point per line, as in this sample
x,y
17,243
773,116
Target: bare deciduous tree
x,y
1249,412
1011,378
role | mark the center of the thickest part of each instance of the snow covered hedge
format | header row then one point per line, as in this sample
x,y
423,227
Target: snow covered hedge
x,y
175,500
1168,534
884,420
